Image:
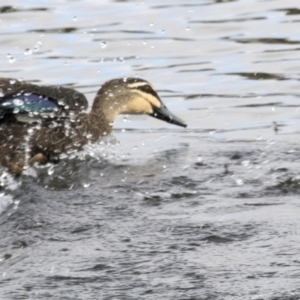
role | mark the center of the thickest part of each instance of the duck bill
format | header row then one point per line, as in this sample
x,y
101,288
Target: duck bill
x,y
164,114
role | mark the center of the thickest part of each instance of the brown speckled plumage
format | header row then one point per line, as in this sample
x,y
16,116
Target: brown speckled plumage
x,y
37,142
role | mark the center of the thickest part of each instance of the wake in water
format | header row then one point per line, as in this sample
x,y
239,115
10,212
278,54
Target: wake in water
x,y
70,171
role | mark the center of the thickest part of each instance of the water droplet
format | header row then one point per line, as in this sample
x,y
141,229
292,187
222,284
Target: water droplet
x,y
12,81
246,163
199,159
239,181
50,170
144,43
121,59
151,24
103,45
18,102
37,46
27,51
75,19
86,185
188,29
11,59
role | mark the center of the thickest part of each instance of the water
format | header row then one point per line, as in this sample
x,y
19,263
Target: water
x,y
207,212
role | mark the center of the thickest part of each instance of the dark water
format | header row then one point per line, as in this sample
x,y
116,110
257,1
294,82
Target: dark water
x,y
210,212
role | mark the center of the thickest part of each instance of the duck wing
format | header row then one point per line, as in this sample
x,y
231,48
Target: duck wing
x,y
23,100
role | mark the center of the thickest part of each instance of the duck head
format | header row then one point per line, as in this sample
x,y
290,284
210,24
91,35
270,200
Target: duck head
x,y
132,96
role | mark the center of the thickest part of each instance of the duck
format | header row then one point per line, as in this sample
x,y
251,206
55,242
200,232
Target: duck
x,y
38,123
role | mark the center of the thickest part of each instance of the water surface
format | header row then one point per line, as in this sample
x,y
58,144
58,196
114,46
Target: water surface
x,y
207,212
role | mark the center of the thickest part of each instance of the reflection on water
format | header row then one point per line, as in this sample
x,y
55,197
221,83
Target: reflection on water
x,y
207,212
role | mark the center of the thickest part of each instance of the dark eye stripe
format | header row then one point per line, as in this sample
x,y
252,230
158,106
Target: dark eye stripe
x,y
147,89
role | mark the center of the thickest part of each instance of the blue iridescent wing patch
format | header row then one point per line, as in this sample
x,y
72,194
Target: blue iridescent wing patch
x,y
26,103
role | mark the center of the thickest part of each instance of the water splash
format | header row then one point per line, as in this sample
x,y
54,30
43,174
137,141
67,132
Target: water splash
x,y
8,181
28,170
103,149
71,170
5,201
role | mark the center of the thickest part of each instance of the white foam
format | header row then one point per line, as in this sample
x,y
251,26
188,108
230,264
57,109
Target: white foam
x,y
5,201
8,181
103,149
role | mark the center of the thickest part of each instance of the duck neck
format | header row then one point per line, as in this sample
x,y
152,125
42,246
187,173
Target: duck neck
x,y
99,125
108,105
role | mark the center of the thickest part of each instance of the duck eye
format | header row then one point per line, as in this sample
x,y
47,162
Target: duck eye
x,y
147,88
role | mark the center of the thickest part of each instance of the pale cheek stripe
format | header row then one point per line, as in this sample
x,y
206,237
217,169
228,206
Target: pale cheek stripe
x,y
153,100
138,84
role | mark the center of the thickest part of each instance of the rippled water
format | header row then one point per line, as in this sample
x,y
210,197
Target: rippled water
x,y
210,212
